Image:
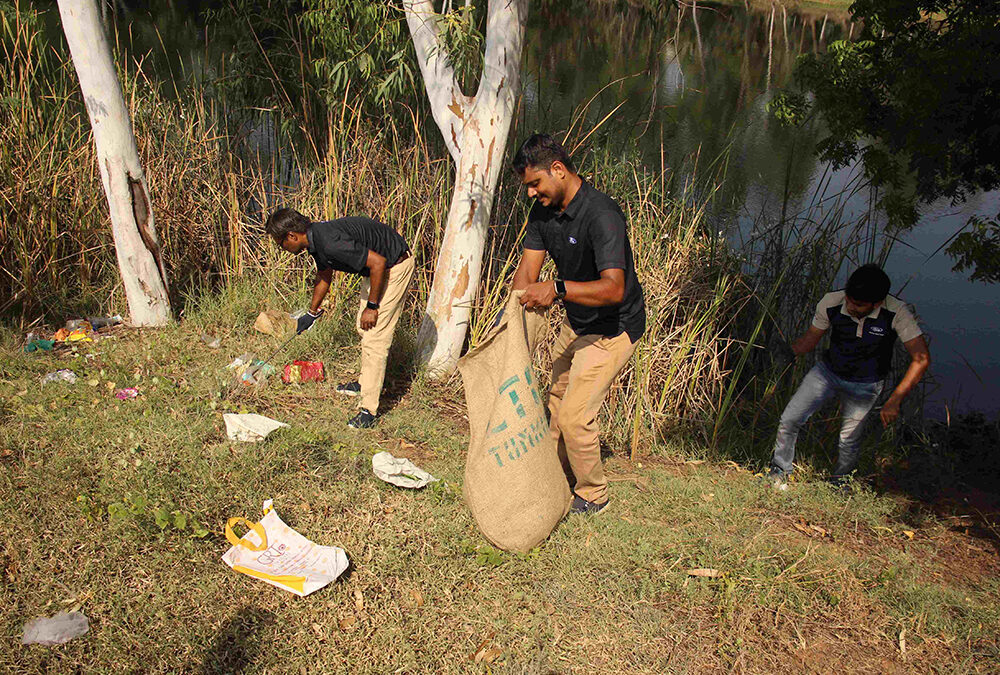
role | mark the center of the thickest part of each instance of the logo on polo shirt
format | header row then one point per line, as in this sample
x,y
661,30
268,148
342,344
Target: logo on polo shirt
x,y
572,240
876,330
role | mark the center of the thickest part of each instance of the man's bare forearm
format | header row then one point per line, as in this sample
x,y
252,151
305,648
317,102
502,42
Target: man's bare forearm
x,y
599,293
320,289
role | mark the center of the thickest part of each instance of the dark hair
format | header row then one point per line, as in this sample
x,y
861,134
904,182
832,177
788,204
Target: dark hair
x,y
283,221
538,152
868,284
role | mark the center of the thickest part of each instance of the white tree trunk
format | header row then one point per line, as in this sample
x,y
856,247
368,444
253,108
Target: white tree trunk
x,y
475,130
136,243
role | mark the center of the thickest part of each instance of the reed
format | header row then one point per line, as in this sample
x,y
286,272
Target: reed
x,y
215,169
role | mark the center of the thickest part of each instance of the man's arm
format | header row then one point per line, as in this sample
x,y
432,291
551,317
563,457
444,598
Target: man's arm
x,y
378,276
528,269
603,292
320,289
808,341
920,361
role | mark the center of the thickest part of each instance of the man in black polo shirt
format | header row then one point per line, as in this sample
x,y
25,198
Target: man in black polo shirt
x,y
584,232
864,322
376,252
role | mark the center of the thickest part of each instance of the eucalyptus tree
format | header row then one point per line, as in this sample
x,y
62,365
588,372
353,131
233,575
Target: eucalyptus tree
x,y
140,260
475,130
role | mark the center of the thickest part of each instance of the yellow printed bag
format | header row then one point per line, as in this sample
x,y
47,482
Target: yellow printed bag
x,y
275,553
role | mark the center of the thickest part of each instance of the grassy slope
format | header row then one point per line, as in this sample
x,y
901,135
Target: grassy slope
x,y
425,592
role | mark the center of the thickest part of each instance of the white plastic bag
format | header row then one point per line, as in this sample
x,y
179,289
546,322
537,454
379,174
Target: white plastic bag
x,y
276,554
251,428
400,471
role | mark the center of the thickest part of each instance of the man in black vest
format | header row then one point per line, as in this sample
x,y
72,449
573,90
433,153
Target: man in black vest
x,y
585,233
864,322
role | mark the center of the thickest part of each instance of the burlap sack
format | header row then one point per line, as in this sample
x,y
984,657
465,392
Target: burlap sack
x,y
514,483
273,322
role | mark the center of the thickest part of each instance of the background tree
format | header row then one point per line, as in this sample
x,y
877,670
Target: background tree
x,y
475,130
136,244
917,99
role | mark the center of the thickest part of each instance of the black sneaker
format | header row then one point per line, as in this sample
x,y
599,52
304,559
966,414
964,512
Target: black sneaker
x,y
363,420
349,389
581,505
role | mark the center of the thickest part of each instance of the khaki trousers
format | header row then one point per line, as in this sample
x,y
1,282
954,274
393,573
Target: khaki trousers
x,y
375,341
583,368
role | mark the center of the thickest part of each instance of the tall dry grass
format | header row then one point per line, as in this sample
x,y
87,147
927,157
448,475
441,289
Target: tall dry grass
x,y
212,185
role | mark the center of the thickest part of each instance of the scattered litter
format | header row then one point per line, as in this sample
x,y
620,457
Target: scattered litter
x,y
79,335
706,572
273,322
400,471
303,371
909,533
241,360
78,324
64,375
58,630
61,335
127,393
276,554
39,345
250,428
99,322
210,341
250,370
257,372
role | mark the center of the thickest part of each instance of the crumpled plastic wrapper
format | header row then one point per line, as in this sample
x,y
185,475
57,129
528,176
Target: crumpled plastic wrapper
x,y
400,471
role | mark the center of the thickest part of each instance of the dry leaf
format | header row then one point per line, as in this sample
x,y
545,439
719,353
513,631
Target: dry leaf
x,y
695,462
418,597
317,629
902,643
359,600
708,497
909,534
488,656
707,572
348,623
587,542
805,527
476,655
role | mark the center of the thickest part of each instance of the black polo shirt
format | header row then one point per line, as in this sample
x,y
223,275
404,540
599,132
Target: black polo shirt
x,y
343,244
588,237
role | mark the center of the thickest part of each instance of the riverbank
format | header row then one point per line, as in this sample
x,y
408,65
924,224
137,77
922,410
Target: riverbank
x,y
808,579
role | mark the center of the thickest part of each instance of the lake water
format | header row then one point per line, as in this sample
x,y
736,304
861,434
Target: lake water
x,y
695,83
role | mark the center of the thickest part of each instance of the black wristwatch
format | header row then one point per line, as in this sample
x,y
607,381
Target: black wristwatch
x,y
372,305
560,289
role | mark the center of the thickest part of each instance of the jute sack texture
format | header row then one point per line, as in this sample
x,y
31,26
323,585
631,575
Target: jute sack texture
x,y
514,483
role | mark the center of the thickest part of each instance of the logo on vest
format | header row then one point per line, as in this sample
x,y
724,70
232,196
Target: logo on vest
x,y
572,240
876,330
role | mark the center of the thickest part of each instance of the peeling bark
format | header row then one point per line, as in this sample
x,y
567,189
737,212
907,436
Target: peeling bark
x,y
132,224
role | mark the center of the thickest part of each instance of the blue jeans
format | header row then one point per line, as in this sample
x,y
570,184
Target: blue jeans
x,y
818,386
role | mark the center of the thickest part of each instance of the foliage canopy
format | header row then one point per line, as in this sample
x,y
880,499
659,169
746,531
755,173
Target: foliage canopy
x,y
917,99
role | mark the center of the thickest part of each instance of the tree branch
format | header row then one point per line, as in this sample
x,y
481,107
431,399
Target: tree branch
x,y
449,106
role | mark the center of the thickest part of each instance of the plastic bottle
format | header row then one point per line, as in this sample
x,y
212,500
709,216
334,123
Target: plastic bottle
x,y
99,322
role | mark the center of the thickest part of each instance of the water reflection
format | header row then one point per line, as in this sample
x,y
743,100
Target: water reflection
x,y
693,84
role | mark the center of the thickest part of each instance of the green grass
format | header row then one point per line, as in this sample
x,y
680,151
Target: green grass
x,y
426,593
